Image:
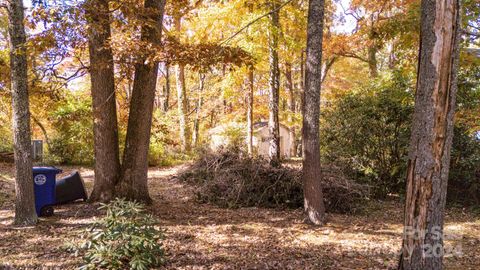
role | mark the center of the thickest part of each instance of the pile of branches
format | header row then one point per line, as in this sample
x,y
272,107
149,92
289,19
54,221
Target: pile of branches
x,y
230,178
6,157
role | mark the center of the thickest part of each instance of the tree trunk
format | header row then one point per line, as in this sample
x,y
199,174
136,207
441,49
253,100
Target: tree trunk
x,y
327,66
133,184
273,122
166,94
182,102
43,129
24,196
291,107
250,111
107,163
431,138
302,80
372,61
196,123
313,197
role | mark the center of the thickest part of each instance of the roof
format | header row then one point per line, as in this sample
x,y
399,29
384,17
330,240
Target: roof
x,y
262,124
257,126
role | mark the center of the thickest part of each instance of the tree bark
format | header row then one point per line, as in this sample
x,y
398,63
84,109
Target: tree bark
x,y
372,60
133,184
313,197
273,121
24,195
43,129
182,103
166,94
291,107
250,111
302,80
107,163
431,139
196,123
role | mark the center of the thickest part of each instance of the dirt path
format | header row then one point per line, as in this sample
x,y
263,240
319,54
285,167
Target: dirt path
x,y
200,236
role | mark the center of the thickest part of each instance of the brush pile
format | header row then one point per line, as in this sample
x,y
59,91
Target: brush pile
x,y
230,178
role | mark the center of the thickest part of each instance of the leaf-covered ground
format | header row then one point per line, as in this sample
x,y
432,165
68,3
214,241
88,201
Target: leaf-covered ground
x,y
207,237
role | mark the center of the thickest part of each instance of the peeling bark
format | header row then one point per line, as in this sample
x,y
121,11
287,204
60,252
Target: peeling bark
x,y
432,132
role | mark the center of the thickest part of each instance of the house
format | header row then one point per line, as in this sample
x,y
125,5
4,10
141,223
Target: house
x,y
228,134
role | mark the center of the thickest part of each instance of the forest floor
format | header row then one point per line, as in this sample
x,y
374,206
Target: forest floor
x,y
202,236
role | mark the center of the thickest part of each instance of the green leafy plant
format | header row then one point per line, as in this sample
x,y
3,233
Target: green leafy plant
x,y
126,238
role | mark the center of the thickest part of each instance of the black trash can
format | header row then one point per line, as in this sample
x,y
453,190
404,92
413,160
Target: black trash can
x,y
70,188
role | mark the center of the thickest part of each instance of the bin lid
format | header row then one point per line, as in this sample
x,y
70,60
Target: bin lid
x,y
46,170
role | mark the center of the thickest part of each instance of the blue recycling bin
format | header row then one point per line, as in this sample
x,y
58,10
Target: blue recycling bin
x,y
44,179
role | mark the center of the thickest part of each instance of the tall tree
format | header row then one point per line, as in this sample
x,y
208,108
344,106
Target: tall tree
x,y
134,174
312,188
105,129
251,85
431,139
166,92
274,93
291,102
182,102
198,109
24,196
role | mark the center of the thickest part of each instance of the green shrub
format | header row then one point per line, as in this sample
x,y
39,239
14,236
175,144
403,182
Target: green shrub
x,y
464,177
126,238
72,142
368,131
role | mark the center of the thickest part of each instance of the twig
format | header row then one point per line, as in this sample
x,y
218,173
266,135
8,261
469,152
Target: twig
x,y
254,21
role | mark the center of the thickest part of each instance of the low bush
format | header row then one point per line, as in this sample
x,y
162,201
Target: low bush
x,y
230,178
126,238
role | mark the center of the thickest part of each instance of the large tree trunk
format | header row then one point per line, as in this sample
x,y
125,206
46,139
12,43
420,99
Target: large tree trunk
x,y
273,103
182,102
312,188
107,163
133,184
431,138
24,196
196,123
291,107
250,111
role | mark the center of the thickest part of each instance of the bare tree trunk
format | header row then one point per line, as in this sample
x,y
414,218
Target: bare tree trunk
x,y
312,188
250,111
291,107
372,61
302,80
431,139
24,196
273,121
327,66
166,94
196,123
107,163
182,102
44,130
133,184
